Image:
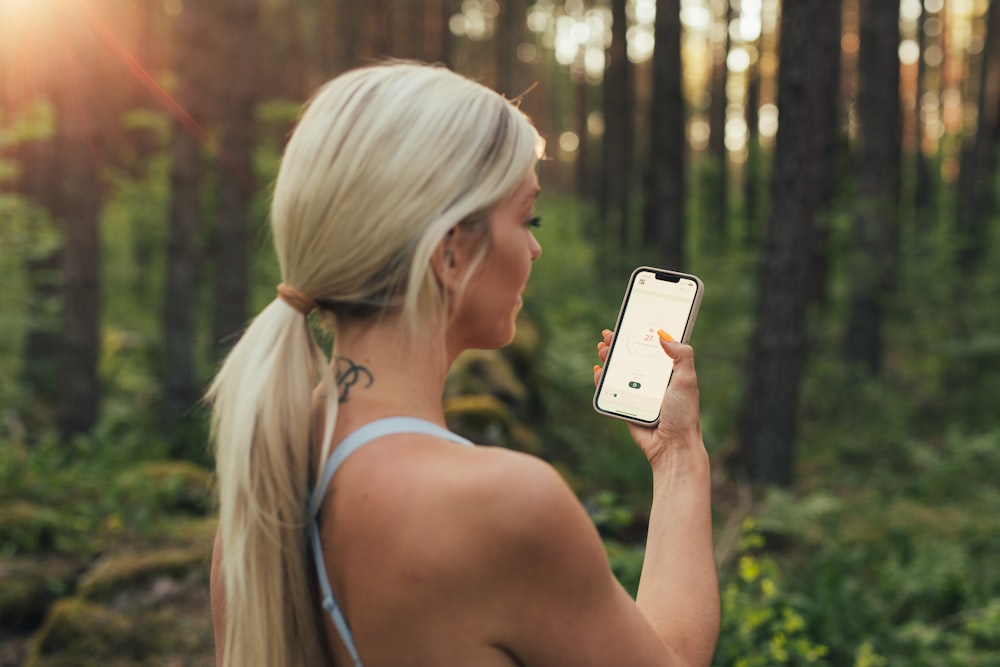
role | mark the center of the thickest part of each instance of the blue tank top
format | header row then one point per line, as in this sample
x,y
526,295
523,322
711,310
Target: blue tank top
x,y
367,433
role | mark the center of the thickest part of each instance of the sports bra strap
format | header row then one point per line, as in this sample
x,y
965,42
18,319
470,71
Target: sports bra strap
x,y
357,439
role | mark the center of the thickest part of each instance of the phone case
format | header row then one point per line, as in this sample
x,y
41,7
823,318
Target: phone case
x,y
684,338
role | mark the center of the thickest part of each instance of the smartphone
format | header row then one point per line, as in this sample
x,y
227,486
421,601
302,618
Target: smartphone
x,y
637,370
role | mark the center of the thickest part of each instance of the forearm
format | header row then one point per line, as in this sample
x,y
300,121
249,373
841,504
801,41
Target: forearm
x,y
679,589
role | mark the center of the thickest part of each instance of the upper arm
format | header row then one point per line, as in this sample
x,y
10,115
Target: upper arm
x,y
559,602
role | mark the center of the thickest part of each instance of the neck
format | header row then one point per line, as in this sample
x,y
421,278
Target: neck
x,y
383,371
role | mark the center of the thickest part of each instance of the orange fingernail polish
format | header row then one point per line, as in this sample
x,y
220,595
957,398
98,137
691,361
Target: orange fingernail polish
x,y
597,368
665,336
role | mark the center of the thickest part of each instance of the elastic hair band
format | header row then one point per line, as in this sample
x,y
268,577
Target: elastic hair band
x,y
296,299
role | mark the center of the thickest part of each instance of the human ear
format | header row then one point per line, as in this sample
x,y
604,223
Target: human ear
x,y
443,261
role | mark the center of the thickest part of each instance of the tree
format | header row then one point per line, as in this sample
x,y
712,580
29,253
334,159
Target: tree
x,y
803,158
752,168
185,222
977,201
923,189
236,77
619,132
875,233
663,220
716,181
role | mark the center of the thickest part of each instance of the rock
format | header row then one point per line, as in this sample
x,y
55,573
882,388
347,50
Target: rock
x,y
28,587
486,420
81,633
115,573
486,372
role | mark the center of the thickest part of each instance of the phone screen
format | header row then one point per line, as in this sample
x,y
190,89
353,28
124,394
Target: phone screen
x,y
637,370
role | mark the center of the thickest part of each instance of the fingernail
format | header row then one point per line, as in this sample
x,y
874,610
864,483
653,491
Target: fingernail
x,y
597,368
606,332
600,345
665,336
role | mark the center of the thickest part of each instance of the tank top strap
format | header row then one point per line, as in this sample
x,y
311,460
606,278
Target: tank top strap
x,y
354,441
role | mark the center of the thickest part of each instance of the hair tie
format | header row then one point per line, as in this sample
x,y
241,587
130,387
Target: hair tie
x,y
296,299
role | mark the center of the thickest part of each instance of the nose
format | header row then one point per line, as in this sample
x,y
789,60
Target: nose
x,y
535,248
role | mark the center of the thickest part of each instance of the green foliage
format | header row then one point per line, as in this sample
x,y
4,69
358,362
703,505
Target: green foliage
x,y
763,624
902,563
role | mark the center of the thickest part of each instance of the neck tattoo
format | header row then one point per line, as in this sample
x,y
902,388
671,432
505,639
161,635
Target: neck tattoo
x,y
348,374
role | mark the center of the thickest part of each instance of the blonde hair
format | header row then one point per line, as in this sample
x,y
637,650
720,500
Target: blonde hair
x,y
383,163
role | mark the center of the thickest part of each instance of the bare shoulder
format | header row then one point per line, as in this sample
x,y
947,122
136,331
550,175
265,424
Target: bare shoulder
x,y
544,566
523,501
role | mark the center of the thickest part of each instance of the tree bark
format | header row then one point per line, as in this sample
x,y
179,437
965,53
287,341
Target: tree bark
x,y
236,77
185,222
977,200
619,132
752,168
875,234
663,219
802,161
716,182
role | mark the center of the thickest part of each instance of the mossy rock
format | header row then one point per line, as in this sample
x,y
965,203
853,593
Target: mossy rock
x,y
526,348
187,531
486,420
117,573
173,486
81,633
486,372
26,527
28,587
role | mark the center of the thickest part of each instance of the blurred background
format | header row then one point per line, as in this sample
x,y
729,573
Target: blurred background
x,y
827,167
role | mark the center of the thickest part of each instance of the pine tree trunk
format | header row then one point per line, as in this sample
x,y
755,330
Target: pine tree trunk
x,y
875,236
977,200
185,222
802,162
619,133
663,219
716,188
236,75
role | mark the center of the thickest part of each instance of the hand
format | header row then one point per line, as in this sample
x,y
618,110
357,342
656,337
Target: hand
x,y
680,419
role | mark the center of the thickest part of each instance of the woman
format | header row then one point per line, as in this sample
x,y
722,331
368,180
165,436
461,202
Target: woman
x,y
403,209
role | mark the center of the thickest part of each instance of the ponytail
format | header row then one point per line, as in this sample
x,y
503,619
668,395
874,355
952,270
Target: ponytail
x,y
261,429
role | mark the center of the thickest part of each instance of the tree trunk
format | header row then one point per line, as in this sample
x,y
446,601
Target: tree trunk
x,y
827,69
236,78
181,390
977,201
802,160
619,132
924,185
716,186
875,235
663,219
82,106
752,168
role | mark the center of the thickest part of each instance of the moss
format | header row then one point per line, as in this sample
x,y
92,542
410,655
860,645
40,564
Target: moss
x,y
116,572
168,485
26,527
27,588
488,421
486,372
82,633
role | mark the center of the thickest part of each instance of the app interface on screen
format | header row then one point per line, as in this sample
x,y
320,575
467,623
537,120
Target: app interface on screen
x,y
637,372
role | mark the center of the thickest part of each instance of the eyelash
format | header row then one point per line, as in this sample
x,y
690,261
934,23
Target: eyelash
x,y
535,222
